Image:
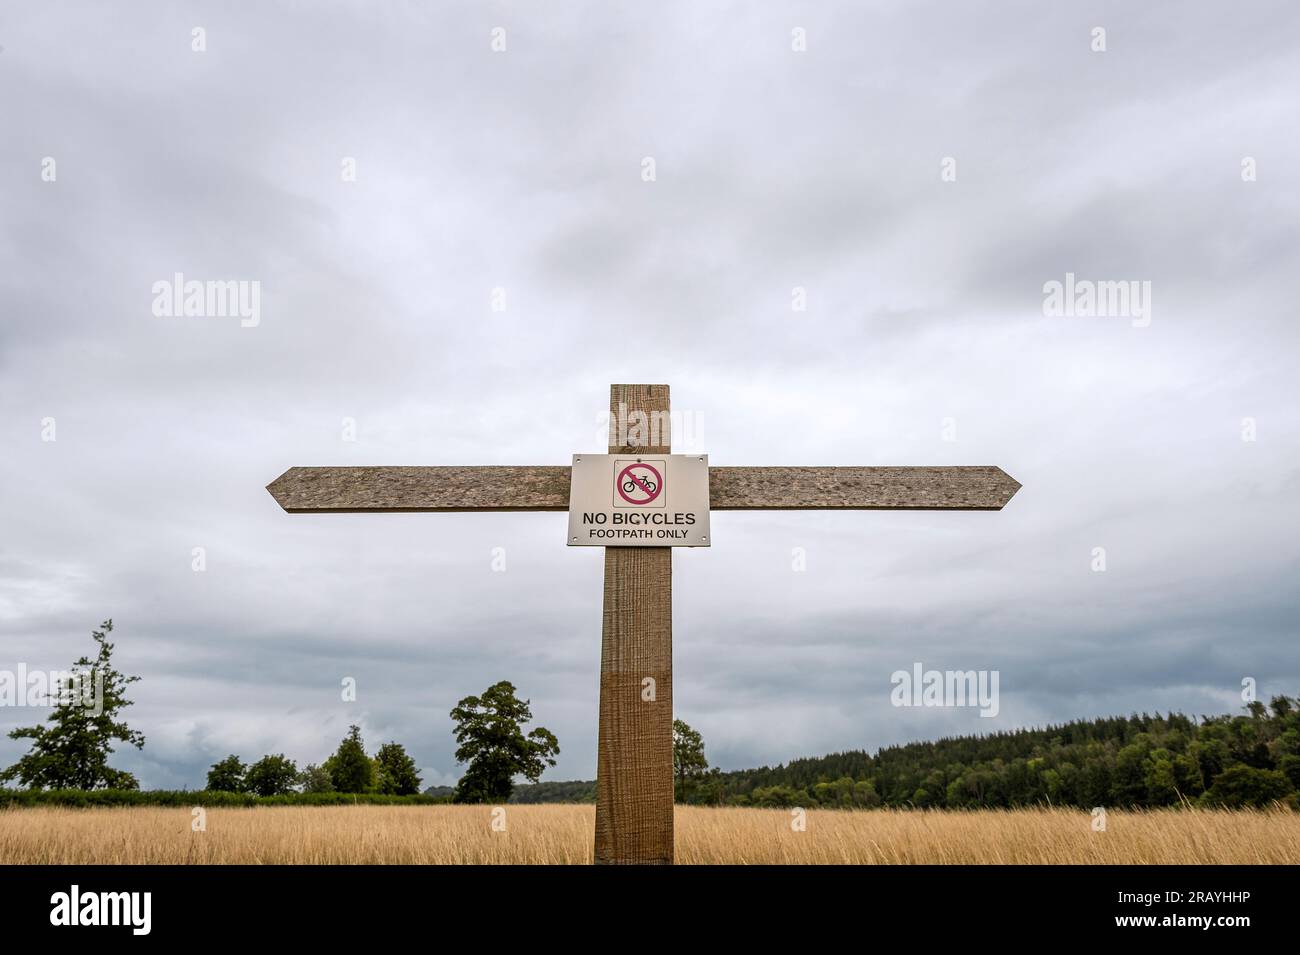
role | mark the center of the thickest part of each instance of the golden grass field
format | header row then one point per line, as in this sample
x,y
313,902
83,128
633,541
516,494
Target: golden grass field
x,y
563,834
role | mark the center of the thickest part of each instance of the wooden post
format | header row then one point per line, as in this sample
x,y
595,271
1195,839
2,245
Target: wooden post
x,y
634,763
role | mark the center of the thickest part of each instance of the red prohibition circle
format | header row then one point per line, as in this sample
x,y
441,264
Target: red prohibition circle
x,y
618,483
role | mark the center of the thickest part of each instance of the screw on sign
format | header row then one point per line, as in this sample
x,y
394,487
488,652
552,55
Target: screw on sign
x,y
639,483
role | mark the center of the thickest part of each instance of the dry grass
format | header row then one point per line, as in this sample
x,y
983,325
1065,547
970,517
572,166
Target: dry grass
x,y
559,834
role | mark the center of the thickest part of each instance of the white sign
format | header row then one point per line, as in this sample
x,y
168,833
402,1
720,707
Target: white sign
x,y
651,500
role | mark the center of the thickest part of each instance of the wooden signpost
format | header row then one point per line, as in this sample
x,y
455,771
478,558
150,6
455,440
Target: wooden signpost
x,y
634,779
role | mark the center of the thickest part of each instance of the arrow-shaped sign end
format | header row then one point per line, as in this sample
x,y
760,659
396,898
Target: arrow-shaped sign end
x,y
280,487
1009,489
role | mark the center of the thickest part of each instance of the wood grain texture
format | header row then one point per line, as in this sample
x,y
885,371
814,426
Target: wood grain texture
x,y
634,764
937,488
546,488
401,489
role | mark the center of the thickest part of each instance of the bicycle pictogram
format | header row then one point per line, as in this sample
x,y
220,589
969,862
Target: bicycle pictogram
x,y
639,483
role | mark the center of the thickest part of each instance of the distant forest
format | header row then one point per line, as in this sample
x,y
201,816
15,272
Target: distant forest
x,y
1248,760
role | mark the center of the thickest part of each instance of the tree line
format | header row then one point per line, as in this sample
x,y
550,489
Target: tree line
x,y
390,772
1136,761
491,738
1125,761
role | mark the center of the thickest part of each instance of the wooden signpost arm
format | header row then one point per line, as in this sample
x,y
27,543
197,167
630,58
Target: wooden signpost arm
x,y
546,488
366,489
817,489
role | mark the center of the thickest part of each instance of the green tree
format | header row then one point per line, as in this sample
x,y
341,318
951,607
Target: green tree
x,y
865,795
688,756
1130,774
489,729
1162,786
779,797
846,793
709,788
315,779
351,771
396,771
73,752
228,775
1289,766
272,776
1243,785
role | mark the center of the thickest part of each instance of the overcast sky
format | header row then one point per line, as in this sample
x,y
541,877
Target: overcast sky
x,y
523,170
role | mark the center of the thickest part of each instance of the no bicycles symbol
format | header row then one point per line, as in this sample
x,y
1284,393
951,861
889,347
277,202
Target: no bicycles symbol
x,y
639,483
